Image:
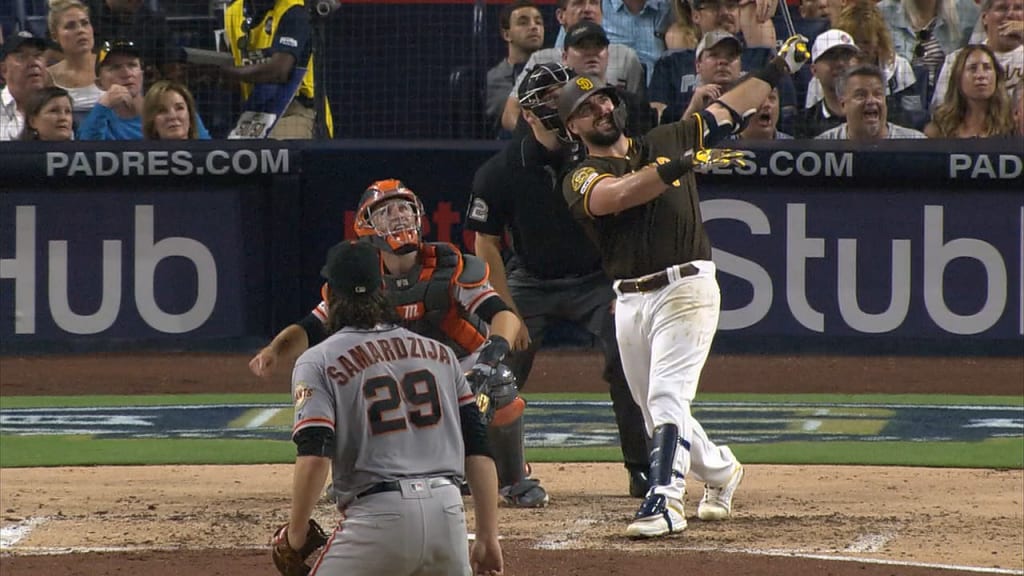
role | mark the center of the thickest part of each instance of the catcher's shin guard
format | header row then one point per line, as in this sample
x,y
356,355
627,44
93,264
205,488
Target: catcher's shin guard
x,y
507,449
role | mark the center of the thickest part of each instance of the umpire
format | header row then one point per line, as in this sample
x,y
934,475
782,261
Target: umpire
x,y
554,272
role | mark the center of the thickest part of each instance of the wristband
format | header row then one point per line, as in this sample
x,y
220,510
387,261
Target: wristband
x,y
673,170
773,72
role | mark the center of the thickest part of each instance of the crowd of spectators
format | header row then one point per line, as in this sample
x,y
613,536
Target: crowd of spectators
x,y
115,63
880,68
949,68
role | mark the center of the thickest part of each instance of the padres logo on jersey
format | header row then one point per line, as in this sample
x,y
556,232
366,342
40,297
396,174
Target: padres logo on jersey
x,y
582,178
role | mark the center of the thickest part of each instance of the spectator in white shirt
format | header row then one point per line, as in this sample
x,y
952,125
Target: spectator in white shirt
x,y
23,67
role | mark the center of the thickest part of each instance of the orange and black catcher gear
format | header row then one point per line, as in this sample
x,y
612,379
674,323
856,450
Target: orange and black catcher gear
x,y
396,235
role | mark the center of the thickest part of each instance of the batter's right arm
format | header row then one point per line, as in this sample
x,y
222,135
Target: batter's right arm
x,y
288,344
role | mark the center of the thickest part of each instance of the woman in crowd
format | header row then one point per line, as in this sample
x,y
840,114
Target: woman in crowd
x,y
976,104
903,97
683,34
48,116
71,29
169,113
924,31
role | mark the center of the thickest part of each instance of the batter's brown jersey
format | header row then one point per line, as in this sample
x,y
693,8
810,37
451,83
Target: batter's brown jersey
x,y
650,237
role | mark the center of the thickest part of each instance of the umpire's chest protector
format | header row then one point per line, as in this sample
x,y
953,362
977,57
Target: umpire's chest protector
x,y
425,304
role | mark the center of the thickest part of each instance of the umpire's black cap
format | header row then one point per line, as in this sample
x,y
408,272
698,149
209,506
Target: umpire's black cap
x,y
577,91
353,268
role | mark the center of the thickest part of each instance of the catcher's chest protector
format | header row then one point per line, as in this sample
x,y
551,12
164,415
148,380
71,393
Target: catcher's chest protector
x,y
424,303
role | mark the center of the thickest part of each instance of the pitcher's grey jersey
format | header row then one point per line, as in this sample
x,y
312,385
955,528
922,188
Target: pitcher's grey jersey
x,y
392,398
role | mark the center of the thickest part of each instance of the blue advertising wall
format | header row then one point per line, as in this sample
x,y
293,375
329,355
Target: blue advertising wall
x,y
901,247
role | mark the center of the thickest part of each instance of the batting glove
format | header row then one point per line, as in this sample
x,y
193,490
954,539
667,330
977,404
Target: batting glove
x,y
795,52
706,160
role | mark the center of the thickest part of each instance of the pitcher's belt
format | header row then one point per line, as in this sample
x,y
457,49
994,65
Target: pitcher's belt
x,y
396,485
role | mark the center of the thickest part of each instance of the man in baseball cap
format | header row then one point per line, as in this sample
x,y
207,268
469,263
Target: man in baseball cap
x,y
586,50
834,42
831,54
586,32
23,68
112,52
118,112
719,38
353,269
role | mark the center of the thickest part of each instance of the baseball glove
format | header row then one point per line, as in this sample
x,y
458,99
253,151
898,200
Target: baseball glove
x,y
292,562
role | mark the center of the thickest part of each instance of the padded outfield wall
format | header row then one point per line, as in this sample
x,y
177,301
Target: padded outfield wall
x,y
901,247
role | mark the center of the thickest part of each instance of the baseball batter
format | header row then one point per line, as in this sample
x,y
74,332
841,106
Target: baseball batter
x,y
393,412
443,294
554,273
637,199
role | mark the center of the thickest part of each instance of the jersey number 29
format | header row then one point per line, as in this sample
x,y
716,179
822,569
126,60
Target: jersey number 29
x,y
417,389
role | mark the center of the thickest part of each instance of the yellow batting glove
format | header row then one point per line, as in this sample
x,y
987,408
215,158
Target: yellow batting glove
x,y
796,51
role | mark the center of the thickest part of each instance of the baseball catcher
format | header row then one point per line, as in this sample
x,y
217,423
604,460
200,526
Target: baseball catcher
x,y
291,561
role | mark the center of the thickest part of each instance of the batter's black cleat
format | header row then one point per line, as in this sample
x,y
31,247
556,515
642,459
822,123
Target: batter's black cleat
x,y
638,483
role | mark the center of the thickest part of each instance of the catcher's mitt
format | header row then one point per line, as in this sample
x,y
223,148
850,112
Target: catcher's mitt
x,y
292,562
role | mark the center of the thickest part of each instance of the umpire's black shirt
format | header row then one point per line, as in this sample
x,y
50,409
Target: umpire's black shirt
x,y
519,188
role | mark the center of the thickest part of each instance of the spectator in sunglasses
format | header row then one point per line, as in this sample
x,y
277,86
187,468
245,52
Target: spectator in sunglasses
x,y
924,31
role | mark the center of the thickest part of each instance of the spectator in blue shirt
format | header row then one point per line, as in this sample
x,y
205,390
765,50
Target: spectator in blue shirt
x,y
639,24
118,114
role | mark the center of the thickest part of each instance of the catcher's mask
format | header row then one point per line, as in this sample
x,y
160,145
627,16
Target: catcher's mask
x,y
390,216
538,93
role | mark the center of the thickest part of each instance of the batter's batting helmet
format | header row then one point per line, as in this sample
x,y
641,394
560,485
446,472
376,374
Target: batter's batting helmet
x,y
537,92
579,91
390,216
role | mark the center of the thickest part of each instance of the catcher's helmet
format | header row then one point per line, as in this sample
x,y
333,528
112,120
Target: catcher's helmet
x,y
537,92
390,216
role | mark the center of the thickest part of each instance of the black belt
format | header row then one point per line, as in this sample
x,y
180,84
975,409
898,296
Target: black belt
x,y
396,485
655,281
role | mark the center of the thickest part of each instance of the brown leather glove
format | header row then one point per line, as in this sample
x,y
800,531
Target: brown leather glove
x,y
288,560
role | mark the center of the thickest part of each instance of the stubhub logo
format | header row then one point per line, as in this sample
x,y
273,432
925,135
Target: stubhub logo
x,y
818,276
28,260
